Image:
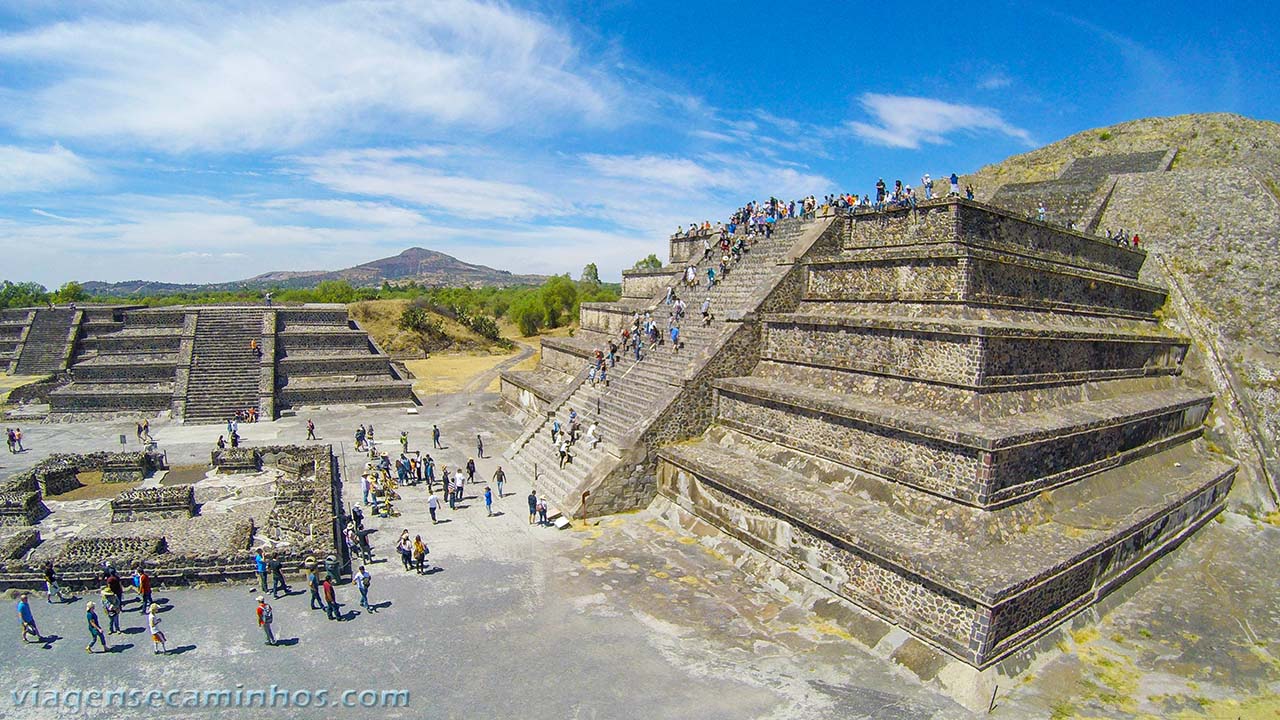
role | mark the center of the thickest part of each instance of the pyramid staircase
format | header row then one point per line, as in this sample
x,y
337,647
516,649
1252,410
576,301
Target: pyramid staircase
x,y
49,339
639,392
225,371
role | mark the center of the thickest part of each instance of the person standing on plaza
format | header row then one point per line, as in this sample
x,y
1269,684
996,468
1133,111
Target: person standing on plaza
x,y
28,620
330,600
311,430
260,567
313,584
405,547
144,589
95,630
479,447
542,510
420,554
488,500
362,581
112,610
158,641
117,589
51,583
278,583
533,507
404,442
433,504
500,478
435,437
265,619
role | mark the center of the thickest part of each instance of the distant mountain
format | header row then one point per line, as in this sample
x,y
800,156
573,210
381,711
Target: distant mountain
x,y
420,265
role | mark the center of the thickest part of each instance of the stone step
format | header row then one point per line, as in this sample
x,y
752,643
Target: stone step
x,y
978,583
983,463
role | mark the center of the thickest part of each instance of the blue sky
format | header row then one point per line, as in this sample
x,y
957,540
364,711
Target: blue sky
x,y
202,143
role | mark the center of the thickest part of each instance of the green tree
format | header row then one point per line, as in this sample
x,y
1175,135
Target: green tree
x,y
335,291
590,274
558,296
71,292
27,294
429,329
650,263
527,314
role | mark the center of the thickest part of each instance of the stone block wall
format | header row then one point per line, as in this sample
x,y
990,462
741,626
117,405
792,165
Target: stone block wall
x,y
21,508
17,544
896,594
979,277
608,318
647,284
980,630
937,352
955,220
127,467
231,460
154,503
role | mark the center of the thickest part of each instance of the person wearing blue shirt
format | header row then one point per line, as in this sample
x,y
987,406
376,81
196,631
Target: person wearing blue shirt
x,y
28,620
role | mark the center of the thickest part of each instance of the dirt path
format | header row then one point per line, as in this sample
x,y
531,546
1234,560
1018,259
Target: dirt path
x,y
481,381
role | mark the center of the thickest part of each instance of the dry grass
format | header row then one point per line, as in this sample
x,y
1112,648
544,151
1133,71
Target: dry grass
x,y
381,318
94,489
451,372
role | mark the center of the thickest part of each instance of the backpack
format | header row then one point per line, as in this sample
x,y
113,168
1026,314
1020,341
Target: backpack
x,y
266,614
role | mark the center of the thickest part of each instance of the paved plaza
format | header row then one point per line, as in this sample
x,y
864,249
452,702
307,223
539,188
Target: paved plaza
x,y
630,617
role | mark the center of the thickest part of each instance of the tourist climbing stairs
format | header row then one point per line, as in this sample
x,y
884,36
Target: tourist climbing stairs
x,y
225,370
45,350
638,391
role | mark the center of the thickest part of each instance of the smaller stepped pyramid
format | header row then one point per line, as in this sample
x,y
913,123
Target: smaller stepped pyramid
x,y
205,364
970,424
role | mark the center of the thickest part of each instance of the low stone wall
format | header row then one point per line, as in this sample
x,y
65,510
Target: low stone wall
x,y
123,370
345,341
16,545
154,503
236,460
934,457
683,248
985,226
156,318
608,318
290,317
967,355
21,508
36,392
975,276
130,466
648,284
523,400
124,344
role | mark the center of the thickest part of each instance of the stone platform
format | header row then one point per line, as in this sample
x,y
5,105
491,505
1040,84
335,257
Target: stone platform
x,y
968,423
198,363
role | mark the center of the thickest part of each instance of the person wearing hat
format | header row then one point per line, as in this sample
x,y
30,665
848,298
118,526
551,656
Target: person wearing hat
x,y
95,630
265,618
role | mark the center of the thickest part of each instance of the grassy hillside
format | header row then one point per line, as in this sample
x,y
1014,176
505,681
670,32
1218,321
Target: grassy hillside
x,y
380,318
1213,140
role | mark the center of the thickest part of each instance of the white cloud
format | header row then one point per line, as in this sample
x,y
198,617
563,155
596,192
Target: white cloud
x,y
392,174
272,76
24,170
909,122
995,80
371,213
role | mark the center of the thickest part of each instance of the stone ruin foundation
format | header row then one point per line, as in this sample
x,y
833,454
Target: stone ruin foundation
x,y
154,503
180,533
